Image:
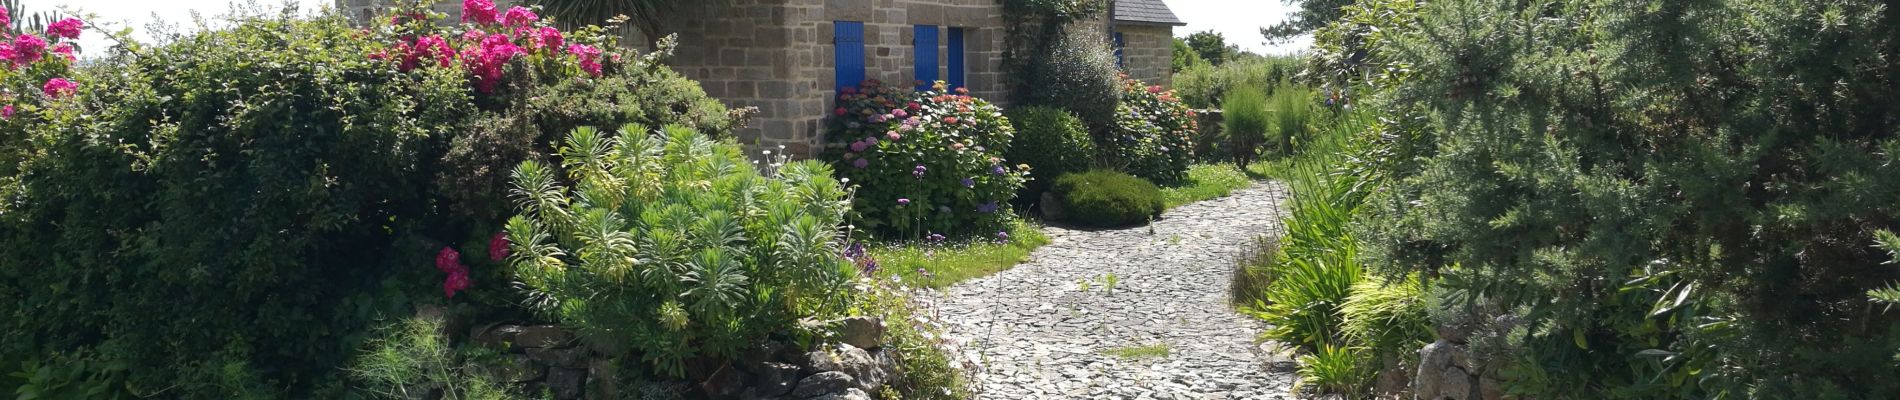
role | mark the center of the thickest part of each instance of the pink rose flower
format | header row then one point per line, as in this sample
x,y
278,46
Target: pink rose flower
x,y
498,246
520,17
59,87
65,50
28,49
479,11
6,112
65,28
549,38
589,56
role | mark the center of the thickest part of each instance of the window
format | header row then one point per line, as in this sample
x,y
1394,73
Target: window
x,y
956,57
925,45
848,49
1120,60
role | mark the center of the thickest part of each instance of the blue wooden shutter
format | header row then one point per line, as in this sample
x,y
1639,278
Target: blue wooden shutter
x,y
925,45
848,43
1120,61
956,57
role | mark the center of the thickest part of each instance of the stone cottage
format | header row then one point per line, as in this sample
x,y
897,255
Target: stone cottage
x,y
789,57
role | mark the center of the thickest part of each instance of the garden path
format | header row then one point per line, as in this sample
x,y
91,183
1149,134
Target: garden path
x,y
1035,331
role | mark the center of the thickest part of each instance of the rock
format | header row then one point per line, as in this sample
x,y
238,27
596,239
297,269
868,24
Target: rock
x,y
495,336
849,394
543,336
887,364
852,361
861,332
1051,207
723,383
1489,388
602,379
1392,381
567,383
514,368
761,353
1454,384
573,357
773,378
1280,357
1452,334
823,383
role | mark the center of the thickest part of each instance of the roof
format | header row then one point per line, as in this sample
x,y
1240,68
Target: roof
x,y
1145,12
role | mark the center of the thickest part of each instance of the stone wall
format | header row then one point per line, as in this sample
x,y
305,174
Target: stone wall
x,y
1148,51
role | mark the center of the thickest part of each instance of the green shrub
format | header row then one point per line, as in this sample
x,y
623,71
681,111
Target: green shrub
x,y
225,213
1052,142
1292,118
677,247
1079,75
1153,134
1206,86
412,358
1108,198
1677,199
1245,123
1335,369
1389,318
923,162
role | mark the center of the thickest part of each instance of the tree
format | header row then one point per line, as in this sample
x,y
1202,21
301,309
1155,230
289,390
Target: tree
x,y
1211,46
1185,57
1312,15
644,14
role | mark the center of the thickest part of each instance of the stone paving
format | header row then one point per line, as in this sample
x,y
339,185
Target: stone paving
x,y
1035,331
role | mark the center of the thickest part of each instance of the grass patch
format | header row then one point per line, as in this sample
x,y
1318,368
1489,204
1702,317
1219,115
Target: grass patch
x,y
948,263
1205,181
1139,352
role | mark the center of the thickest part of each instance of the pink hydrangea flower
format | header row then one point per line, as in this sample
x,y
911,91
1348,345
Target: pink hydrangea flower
x,y
59,87
478,11
859,146
893,136
28,49
65,28
498,246
519,17
6,112
861,163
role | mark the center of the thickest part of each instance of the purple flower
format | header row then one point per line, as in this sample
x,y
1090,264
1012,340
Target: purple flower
x,y
1002,235
903,202
899,113
997,169
987,208
919,171
923,272
936,237
859,146
854,251
861,163
969,183
869,266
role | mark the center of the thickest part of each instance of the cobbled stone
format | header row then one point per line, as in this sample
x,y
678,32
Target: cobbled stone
x,y
1032,332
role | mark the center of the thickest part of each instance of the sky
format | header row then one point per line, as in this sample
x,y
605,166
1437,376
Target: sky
x,y
1238,20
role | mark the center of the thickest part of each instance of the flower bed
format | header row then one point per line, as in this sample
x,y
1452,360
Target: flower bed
x,y
924,162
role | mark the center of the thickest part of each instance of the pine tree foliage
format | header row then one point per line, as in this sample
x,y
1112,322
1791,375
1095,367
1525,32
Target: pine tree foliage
x,y
675,246
1677,198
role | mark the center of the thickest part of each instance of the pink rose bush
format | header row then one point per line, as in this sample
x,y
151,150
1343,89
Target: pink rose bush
x,y
923,162
43,62
490,42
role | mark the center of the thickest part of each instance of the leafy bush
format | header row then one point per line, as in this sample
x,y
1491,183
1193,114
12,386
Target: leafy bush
x,y
924,162
1678,199
253,196
1079,75
411,358
676,247
1387,317
1335,369
1108,198
1292,119
1206,86
1153,134
1245,114
1051,142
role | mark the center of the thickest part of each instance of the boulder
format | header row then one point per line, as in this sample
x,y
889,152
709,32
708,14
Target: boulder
x,y
773,379
851,361
723,383
1279,357
1444,373
861,332
823,383
544,336
495,336
567,383
603,379
849,394
573,357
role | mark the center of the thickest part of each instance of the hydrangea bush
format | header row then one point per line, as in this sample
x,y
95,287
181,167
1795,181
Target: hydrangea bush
x,y
1153,136
924,162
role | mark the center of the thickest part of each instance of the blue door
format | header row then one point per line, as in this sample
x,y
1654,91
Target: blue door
x,y
956,58
925,45
848,47
1120,61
